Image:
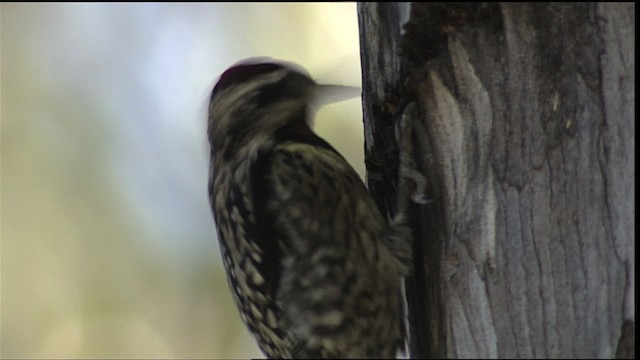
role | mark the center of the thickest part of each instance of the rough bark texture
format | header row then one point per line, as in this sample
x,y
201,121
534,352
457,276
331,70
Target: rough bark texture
x,y
524,129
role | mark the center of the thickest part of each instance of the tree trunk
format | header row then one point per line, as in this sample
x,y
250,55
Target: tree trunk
x,y
520,117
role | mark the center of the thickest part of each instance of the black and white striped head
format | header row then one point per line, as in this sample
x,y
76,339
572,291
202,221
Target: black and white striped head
x,y
256,97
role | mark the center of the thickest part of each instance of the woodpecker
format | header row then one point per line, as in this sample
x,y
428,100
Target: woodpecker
x,y
313,266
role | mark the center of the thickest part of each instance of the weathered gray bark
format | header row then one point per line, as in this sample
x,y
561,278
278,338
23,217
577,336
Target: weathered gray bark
x,y
522,121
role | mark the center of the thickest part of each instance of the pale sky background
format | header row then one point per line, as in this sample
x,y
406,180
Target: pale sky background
x,y
108,246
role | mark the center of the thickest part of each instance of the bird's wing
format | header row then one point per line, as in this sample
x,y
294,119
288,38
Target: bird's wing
x,y
325,237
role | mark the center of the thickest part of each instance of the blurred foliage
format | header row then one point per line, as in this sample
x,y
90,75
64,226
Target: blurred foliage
x,y
108,247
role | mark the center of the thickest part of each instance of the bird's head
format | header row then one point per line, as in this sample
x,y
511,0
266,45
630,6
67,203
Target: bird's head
x,y
255,98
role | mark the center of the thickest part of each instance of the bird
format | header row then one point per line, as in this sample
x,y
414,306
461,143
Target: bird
x,y
312,264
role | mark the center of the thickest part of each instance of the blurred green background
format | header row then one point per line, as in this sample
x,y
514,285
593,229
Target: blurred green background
x,y
108,247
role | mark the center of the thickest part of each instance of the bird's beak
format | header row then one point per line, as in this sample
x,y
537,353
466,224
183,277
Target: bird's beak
x,y
329,94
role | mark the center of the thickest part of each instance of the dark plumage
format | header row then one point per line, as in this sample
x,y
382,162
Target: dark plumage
x,y
307,253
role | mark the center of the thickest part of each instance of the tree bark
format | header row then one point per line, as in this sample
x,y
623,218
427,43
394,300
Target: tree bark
x,y
521,120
